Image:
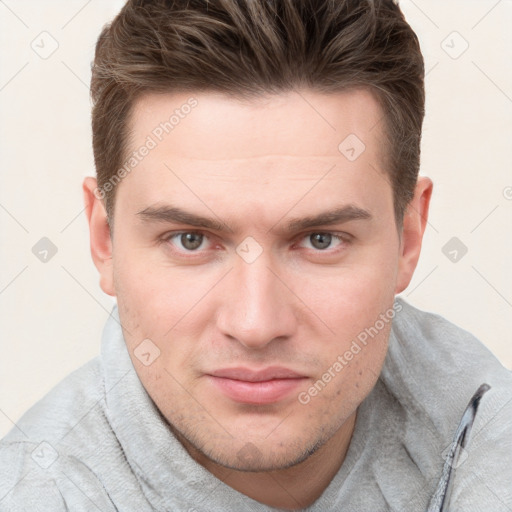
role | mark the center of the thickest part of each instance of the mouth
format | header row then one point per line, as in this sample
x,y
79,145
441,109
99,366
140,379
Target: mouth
x,y
257,387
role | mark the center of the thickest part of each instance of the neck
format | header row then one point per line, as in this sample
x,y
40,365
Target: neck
x,y
292,488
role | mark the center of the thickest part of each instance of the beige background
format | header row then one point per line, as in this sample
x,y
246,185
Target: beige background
x,y
52,314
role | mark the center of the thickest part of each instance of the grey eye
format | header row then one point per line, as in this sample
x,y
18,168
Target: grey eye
x,y
320,240
191,241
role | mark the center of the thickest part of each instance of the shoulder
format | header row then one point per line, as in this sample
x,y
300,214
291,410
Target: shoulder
x,y
483,477
433,368
443,355
22,480
40,455
62,407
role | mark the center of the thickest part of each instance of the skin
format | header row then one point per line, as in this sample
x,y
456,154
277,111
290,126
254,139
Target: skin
x,y
254,166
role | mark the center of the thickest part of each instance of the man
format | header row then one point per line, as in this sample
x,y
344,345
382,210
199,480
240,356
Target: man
x,y
257,208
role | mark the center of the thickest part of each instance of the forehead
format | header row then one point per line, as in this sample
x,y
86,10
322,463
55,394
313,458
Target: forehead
x,y
215,126
261,155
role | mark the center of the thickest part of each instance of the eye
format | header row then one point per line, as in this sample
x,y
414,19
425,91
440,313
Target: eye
x,y
322,241
195,241
190,240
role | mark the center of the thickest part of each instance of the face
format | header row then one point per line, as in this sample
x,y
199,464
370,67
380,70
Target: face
x,y
250,305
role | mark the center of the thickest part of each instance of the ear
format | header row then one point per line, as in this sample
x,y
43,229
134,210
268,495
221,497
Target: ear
x,y
414,223
101,243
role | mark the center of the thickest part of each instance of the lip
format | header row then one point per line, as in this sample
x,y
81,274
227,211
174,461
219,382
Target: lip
x,y
256,387
248,375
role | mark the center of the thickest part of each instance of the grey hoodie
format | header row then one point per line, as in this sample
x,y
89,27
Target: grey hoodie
x,y
97,442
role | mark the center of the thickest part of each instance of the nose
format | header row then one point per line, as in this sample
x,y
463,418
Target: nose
x,y
257,305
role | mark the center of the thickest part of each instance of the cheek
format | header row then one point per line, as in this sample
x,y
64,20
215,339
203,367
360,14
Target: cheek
x,y
149,286
357,305
166,305
351,368
348,296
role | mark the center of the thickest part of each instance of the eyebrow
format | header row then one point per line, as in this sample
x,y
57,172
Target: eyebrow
x,y
173,214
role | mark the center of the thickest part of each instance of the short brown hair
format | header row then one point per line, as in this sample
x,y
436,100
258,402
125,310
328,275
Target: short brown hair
x,y
255,47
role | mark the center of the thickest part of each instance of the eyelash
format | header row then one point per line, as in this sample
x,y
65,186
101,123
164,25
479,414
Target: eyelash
x,y
343,238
